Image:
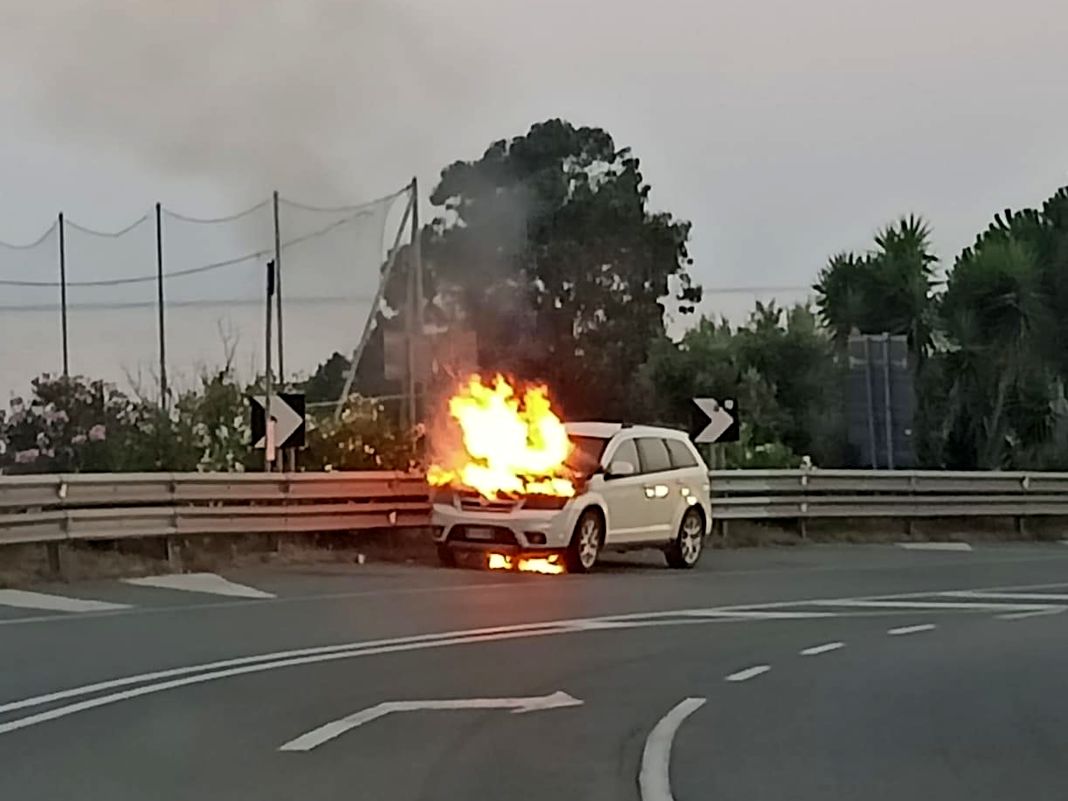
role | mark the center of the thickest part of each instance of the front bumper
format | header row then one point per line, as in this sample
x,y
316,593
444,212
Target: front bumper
x,y
520,530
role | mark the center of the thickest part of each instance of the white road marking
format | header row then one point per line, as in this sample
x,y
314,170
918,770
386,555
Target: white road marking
x,y
238,667
1006,596
335,728
748,673
654,779
932,605
822,649
199,582
221,669
56,603
910,629
757,615
934,546
1055,610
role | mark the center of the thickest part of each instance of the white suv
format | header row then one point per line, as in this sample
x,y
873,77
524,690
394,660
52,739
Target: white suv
x,y
638,487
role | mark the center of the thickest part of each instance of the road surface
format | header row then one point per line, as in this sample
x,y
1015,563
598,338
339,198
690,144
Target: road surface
x,y
822,672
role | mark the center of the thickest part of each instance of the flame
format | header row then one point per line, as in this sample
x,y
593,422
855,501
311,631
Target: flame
x,y
550,565
511,444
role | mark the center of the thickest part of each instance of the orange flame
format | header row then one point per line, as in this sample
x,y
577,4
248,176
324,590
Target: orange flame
x,y
549,565
514,445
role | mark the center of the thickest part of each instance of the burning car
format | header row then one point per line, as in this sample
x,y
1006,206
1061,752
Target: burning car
x,y
529,492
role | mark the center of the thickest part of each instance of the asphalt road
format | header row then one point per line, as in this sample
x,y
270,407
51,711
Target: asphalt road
x,y
817,672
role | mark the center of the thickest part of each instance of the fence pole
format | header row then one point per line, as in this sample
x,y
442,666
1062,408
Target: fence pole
x,y
871,403
163,389
63,294
409,325
417,266
887,415
278,291
268,439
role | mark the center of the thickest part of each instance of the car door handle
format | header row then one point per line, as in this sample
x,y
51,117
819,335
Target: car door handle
x,y
655,490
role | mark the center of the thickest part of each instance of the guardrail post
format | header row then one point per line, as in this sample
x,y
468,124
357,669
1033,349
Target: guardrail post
x,y
174,554
55,560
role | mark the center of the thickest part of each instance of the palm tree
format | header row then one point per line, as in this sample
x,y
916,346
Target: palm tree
x,y
886,291
995,317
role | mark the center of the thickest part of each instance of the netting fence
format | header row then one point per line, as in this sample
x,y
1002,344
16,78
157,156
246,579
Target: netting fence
x,y
157,302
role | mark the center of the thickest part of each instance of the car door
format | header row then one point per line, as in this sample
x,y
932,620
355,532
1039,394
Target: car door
x,y
624,496
659,490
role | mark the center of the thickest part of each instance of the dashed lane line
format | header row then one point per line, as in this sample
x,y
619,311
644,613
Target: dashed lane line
x,y
748,673
1037,613
934,546
822,649
25,599
910,629
208,583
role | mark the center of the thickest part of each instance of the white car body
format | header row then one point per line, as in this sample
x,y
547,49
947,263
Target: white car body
x,y
641,510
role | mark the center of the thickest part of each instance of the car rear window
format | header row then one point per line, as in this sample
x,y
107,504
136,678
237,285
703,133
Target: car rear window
x,y
653,454
681,455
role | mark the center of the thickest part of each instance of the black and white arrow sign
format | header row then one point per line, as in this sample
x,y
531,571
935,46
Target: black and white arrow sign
x,y
721,421
335,728
287,410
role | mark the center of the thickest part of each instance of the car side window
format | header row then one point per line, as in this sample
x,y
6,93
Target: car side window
x,y
654,455
626,452
681,455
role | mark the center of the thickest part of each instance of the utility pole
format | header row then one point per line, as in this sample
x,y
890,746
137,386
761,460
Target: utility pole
x,y
163,389
63,294
278,290
268,428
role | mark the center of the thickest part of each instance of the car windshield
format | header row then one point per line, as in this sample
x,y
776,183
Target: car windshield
x,y
585,457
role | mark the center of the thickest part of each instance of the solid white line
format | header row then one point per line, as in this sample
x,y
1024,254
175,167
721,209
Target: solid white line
x,y
199,582
934,546
758,615
822,649
654,780
257,665
1056,610
910,629
1007,596
932,605
56,603
748,673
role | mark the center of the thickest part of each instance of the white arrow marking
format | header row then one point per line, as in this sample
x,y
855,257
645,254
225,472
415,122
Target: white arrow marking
x,y
199,582
335,728
286,419
718,420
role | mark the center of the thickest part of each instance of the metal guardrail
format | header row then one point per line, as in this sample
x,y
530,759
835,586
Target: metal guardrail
x,y
54,508
814,494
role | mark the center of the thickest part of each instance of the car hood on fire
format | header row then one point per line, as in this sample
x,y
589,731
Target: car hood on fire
x,y
590,429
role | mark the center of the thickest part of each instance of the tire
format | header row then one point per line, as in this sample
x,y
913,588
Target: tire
x,y
686,550
445,556
586,542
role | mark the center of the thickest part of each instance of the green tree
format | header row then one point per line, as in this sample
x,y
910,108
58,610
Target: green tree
x,y
547,248
1001,390
889,290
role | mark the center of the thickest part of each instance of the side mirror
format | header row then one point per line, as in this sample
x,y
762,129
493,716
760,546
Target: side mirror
x,y
620,470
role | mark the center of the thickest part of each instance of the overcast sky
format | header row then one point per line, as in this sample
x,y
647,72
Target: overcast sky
x,y
784,130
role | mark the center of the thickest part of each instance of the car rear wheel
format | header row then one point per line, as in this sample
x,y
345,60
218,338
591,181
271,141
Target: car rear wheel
x,y
684,552
585,543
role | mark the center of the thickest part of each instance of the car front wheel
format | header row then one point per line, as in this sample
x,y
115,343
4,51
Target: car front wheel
x,y
585,542
686,549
